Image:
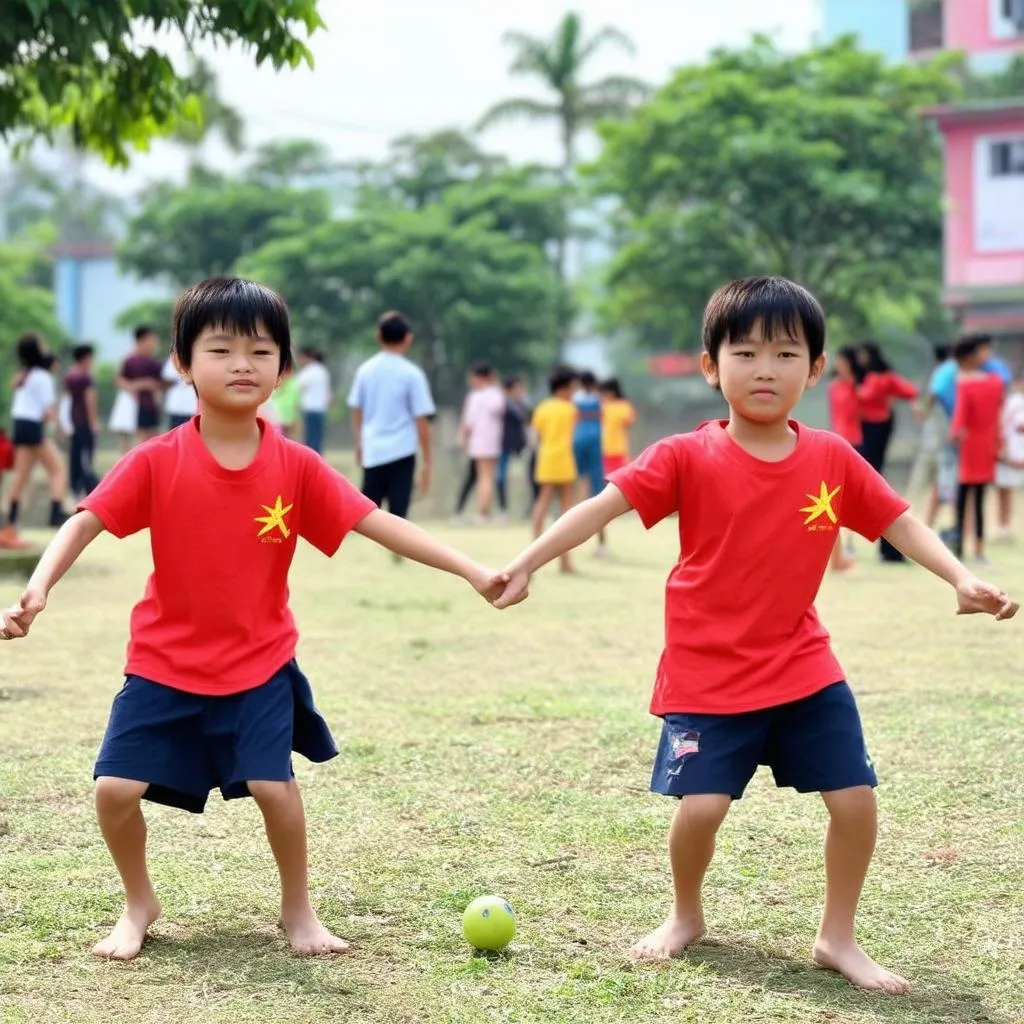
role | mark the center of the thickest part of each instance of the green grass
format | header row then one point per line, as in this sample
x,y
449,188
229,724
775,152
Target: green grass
x,y
510,753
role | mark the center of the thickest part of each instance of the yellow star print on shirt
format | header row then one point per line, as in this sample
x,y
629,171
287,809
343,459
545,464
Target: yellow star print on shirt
x,y
821,505
274,519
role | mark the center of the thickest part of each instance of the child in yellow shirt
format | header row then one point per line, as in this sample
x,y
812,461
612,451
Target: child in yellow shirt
x,y
554,421
617,416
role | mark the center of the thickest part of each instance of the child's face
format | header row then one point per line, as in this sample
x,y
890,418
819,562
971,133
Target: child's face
x,y
234,373
518,390
763,379
844,371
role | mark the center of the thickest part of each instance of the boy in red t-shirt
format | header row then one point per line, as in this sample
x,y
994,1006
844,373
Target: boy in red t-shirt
x,y
213,696
975,427
747,675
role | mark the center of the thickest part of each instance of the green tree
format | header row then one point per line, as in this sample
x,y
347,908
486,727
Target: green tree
x,y
214,115
292,163
25,305
79,64
182,234
473,292
559,63
817,166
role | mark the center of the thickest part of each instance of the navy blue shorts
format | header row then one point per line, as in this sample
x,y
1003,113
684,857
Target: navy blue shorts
x,y
812,745
185,744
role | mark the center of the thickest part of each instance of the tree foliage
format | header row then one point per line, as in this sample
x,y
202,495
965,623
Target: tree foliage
x,y
817,166
81,64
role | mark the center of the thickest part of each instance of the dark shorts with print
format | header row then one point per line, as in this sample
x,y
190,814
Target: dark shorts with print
x,y
185,744
812,745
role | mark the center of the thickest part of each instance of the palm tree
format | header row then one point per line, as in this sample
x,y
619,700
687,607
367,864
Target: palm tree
x,y
559,63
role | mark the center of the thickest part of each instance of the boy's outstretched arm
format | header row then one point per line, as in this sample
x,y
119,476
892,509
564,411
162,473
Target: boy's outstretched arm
x,y
925,547
409,541
569,531
60,554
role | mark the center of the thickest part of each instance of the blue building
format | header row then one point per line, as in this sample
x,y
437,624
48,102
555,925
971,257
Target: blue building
x,y
92,293
881,25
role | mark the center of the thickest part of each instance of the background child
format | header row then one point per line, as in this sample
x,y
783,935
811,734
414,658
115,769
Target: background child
x,y
975,427
617,417
214,697
586,438
844,420
513,437
1010,468
84,413
747,676
480,433
554,421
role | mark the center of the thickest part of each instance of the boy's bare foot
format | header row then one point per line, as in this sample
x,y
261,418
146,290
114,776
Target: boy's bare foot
x,y
669,939
125,941
308,935
849,960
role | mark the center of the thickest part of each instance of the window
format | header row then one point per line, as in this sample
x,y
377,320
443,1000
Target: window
x,y
926,25
1006,159
999,194
1007,18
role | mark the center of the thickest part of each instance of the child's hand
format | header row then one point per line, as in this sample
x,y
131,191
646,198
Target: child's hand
x,y
488,584
974,596
15,621
517,589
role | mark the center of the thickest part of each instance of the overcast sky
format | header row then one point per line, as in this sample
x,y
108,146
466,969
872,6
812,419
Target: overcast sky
x,y
386,67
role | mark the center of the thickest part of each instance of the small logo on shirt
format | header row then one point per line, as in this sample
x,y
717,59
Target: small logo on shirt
x,y
821,506
274,520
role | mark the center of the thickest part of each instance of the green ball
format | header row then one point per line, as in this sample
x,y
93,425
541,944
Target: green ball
x,y
489,923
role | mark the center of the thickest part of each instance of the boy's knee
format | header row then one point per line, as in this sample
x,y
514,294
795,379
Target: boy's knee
x,y
271,793
705,810
855,802
113,794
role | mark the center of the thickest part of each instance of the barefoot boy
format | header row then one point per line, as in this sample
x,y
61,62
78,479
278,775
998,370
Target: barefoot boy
x,y
747,675
213,696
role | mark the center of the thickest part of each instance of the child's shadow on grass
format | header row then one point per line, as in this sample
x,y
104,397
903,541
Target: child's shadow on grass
x,y
242,960
934,997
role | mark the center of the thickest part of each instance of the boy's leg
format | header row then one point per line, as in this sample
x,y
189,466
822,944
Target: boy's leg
x,y
285,821
124,830
567,497
468,483
691,845
849,844
979,519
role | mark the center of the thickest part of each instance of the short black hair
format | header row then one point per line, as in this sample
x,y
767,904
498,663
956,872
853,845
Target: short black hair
x,y
979,338
481,370
232,304
393,328
587,379
561,377
612,387
312,353
142,330
968,345
941,352
82,351
776,302
31,349
511,381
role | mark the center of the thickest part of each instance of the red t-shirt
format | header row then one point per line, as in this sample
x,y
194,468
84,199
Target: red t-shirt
x,y
844,411
214,618
876,392
755,537
976,413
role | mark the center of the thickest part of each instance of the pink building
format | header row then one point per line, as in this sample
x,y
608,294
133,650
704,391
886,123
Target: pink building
x,y
984,183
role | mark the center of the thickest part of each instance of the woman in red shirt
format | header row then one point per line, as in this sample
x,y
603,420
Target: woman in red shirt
x,y
876,391
844,420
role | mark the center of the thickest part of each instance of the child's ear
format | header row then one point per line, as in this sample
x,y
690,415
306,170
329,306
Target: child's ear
x,y
183,372
710,369
817,369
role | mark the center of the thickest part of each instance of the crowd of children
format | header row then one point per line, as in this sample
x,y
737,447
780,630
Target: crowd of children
x,y
972,416
747,675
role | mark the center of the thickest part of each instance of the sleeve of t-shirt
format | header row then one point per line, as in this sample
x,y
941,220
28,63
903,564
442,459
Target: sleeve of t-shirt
x,y
421,401
652,482
123,498
960,410
870,505
355,393
331,506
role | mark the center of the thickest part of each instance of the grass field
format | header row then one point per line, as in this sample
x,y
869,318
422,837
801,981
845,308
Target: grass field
x,y
509,753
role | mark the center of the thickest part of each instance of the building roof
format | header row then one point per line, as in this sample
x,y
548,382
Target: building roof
x,y
976,110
